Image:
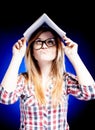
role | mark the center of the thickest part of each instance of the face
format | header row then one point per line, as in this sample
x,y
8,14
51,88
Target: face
x,y
47,52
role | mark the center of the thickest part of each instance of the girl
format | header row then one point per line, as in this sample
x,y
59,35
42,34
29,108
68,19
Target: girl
x,y
44,88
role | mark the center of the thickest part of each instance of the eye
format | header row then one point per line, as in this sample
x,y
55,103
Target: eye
x,y
38,42
51,41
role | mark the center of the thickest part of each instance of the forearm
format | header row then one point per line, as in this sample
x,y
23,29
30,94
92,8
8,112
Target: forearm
x,y
71,49
82,72
10,78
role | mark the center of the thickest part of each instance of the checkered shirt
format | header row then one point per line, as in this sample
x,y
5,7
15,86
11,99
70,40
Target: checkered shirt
x,y
37,117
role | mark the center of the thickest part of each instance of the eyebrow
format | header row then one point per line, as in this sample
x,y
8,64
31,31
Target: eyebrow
x,y
45,39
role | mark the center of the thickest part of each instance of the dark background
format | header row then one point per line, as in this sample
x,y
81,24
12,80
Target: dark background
x,y
76,18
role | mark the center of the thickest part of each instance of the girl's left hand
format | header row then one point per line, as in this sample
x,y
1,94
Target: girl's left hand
x,y
70,47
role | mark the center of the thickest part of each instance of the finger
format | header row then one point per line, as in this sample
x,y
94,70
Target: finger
x,y
65,37
16,45
20,43
67,41
23,39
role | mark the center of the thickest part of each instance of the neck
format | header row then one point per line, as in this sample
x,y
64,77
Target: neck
x,y
45,69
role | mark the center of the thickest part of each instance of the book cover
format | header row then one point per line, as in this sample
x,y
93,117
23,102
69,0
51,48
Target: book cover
x,y
41,20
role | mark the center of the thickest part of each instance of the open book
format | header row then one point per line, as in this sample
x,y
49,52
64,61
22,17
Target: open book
x,y
39,22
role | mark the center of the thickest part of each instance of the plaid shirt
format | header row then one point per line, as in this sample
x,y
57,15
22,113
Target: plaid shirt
x,y
35,117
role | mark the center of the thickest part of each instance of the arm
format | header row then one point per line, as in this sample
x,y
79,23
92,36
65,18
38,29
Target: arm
x,y
10,78
84,76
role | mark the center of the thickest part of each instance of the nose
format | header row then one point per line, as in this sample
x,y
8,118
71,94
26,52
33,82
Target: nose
x,y
44,45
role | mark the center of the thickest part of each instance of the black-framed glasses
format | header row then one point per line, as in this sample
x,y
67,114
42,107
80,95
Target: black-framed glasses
x,y
38,44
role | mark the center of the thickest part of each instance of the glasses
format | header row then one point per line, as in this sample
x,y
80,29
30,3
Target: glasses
x,y
38,44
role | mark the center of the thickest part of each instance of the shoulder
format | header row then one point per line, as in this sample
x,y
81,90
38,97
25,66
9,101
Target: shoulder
x,y
68,75
22,77
25,75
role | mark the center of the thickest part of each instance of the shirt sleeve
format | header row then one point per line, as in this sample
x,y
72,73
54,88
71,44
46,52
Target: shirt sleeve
x,y
81,92
12,97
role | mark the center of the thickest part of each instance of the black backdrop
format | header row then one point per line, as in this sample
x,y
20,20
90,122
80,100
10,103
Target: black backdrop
x,y
74,17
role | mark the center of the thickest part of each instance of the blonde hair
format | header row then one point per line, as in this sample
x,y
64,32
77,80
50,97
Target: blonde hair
x,y
34,74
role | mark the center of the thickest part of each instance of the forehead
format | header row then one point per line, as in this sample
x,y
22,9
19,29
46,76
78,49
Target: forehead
x,y
47,34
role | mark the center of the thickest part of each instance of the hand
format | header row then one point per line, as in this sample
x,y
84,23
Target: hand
x,y
19,48
70,48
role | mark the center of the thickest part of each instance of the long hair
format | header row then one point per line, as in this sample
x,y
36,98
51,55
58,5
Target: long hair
x,y
34,73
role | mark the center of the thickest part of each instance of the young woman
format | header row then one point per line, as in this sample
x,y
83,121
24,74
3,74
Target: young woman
x,y
44,89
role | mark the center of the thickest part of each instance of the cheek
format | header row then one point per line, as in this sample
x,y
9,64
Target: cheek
x,y
36,54
53,53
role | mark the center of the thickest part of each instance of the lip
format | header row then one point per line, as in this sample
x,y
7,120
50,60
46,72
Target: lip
x,y
43,51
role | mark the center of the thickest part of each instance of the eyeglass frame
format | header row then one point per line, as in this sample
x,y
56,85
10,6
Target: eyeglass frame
x,y
44,41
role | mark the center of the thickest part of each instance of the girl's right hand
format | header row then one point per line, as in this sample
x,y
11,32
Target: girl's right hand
x,y
19,48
